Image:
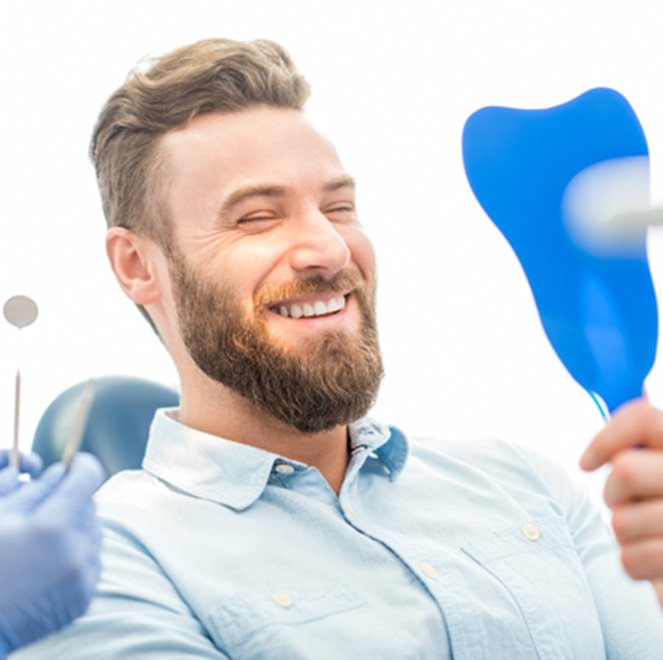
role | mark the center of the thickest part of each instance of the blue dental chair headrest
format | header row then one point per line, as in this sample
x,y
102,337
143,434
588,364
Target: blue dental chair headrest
x,y
117,425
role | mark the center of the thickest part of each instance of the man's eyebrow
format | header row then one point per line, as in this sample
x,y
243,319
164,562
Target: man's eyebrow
x,y
267,190
246,192
343,181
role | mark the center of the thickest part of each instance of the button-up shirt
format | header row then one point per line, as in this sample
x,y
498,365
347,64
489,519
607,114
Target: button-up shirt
x,y
448,550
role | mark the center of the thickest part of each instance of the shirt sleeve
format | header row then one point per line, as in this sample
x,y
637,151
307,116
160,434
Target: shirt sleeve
x,y
136,613
630,614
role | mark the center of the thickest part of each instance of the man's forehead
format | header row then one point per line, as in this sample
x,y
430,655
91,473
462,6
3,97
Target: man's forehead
x,y
259,146
216,162
245,124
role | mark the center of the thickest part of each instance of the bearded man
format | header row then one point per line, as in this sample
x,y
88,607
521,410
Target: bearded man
x,y
271,519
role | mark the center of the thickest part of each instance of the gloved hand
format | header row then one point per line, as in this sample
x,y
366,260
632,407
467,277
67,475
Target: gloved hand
x,y
30,463
49,550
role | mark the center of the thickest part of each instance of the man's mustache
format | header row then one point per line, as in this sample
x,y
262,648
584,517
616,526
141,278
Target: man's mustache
x,y
343,282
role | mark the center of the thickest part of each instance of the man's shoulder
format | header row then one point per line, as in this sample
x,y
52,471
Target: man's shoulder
x,y
124,486
487,458
133,495
478,451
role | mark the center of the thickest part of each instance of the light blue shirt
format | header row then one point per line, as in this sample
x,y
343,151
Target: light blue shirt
x,y
466,551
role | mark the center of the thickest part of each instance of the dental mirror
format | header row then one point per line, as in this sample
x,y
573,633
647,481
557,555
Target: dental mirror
x,y
20,311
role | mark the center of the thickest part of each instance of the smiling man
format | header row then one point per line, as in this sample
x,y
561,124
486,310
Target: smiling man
x,y
271,519
271,283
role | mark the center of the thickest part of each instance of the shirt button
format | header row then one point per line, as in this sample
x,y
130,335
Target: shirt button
x,y
284,468
428,571
350,510
530,532
282,599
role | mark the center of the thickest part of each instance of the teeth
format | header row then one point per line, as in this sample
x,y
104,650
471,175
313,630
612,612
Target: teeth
x,y
319,308
335,304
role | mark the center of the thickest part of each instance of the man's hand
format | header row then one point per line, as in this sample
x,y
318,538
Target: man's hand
x,y
632,442
49,549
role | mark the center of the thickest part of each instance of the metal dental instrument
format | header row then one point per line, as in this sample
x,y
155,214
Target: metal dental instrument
x,y
78,430
20,311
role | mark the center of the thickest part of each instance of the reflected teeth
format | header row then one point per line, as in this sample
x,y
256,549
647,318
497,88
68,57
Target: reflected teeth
x,y
319,308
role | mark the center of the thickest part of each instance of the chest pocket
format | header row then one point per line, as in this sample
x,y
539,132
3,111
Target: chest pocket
x,y
310,622
537,564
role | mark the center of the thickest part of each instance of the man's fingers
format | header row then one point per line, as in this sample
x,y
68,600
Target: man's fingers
x,y
639,520
635,424
636,474
643,560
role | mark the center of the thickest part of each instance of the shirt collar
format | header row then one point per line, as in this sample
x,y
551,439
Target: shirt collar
x,y
386,443
235,474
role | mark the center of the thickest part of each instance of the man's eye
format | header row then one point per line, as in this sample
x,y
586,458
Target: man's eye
x,y
342,211
346,207
257,218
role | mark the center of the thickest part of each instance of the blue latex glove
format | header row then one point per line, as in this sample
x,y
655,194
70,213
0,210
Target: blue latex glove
x,y
31,464
49,549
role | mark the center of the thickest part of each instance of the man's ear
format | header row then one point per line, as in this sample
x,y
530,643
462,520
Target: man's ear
x,y
134,261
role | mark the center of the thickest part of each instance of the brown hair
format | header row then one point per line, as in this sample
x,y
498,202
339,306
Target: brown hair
x,y
213,75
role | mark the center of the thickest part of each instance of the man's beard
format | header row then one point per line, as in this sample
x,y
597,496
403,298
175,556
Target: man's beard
x,y
328,380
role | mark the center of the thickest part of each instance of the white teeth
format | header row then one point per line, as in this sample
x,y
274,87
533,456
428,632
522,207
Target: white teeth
x,y
308,310
318,308
335,304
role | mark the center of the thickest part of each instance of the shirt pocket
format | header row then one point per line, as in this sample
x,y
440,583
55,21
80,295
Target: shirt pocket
x,y
307,622
537,566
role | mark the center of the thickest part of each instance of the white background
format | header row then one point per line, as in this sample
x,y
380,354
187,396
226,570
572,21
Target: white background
x,y
393,83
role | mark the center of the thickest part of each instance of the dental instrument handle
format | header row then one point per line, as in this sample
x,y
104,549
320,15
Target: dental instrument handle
x,y
14,457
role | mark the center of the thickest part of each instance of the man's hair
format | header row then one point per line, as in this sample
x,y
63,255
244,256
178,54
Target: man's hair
x,y
213,75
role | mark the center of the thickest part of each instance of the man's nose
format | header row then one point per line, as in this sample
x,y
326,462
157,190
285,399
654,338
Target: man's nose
x,y
318,247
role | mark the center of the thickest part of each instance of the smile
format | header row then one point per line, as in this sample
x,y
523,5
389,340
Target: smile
x,y
311,307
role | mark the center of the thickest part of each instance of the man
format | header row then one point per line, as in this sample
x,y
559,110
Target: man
x,y
49,547
271,520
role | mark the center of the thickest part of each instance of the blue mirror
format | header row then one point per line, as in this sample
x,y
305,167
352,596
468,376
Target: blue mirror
x,y
598,309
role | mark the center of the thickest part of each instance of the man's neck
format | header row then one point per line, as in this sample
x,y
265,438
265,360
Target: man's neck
x,y
219,411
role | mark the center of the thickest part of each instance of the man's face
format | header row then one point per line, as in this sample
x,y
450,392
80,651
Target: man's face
x,y
272,275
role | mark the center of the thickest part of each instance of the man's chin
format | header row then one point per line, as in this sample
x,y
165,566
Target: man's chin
x,y
309,346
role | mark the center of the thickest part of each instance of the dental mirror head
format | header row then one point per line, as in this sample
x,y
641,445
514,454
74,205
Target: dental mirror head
x,y
20,311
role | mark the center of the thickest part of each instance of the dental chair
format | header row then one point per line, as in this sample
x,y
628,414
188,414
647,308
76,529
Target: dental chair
x,y
117,424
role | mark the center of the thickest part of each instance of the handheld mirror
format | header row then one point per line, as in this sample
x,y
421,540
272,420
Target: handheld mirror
x,y
597,307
